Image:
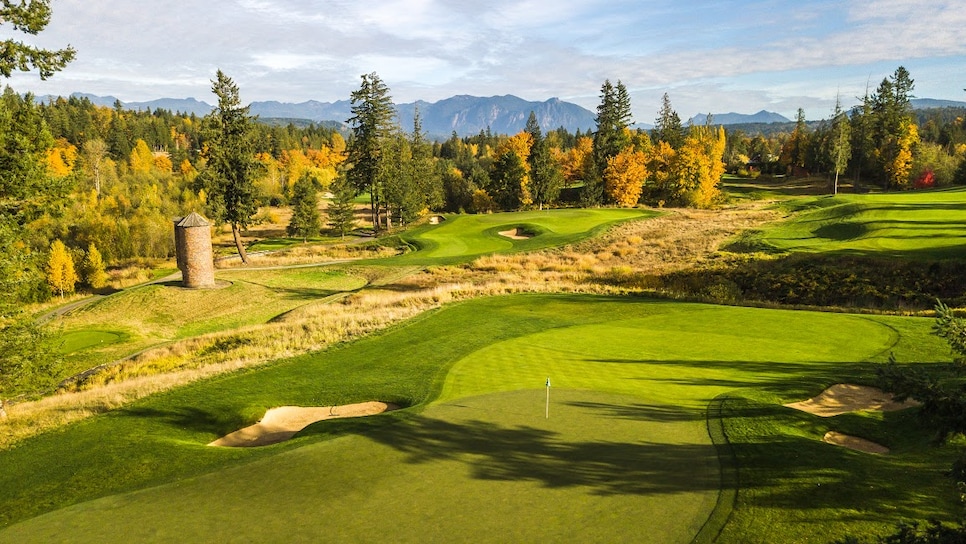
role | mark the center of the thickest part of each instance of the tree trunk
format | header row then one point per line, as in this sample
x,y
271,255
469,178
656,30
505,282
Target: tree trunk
x,y
236,233
3,411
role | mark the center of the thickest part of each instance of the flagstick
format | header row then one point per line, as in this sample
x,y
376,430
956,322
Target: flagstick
x,y
548,398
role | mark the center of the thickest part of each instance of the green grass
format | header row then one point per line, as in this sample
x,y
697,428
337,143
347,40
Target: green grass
x,y
463,237
153,314
625,454
920,225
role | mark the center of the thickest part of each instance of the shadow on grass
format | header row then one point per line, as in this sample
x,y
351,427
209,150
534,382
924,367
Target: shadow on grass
x,y
521,453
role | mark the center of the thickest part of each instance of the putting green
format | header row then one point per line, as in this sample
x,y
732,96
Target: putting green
x,y
74,341
461,237
476,470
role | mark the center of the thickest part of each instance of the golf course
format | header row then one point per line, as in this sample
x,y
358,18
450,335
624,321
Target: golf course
x,y
595,415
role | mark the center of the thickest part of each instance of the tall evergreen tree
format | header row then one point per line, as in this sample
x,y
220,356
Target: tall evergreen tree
x,y
306,220
546,179
341,210
610,138
371,124
229,176
667,126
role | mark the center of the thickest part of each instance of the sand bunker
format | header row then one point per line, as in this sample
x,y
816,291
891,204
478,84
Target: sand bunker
x,y
516,234
854,443
845,398
280,424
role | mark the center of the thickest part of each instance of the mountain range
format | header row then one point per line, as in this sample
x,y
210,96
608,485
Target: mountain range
x,y
465,115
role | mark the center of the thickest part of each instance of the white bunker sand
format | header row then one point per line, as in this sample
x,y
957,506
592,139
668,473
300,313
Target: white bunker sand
x,y
844,398
515,234
280,424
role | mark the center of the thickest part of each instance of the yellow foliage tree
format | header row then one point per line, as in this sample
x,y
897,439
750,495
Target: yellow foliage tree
x,y
162,163
899,165
95,274
60,269
61,158
141,160
698,167
573,163
624,177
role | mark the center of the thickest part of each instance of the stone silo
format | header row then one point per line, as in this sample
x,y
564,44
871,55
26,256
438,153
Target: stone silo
x,y
192,240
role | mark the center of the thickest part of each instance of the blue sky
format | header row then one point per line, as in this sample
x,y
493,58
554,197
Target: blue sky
x,y
709,56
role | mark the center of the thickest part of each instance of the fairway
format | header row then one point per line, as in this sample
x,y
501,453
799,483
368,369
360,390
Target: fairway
x,y
625,454
922,224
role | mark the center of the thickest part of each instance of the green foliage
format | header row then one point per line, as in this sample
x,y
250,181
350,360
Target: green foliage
x,y
341,210
27,359
228,178
372,125
306,220
31,18
546,179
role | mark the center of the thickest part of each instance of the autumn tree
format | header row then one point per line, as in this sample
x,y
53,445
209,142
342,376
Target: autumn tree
x,y
61,274
371,124
93,269
624,177
228,178
794,151
93,153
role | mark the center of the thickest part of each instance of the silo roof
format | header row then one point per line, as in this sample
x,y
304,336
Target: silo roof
x,y
193,220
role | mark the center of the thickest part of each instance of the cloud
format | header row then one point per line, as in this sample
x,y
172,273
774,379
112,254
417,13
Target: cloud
x,y
728,52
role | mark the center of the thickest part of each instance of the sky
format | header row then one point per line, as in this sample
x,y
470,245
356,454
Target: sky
x,y
716,56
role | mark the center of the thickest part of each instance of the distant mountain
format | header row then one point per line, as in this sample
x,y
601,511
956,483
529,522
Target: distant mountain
x,y
468,115
762,117
311,110
932,103
464,115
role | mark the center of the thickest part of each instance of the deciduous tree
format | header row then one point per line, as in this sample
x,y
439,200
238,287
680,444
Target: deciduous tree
x,y
61,274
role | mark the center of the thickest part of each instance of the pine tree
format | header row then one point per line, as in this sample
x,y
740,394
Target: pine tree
x,y
229,176
341,210
546,178
371,124
667,126
610,138
30,18
306,220
60,269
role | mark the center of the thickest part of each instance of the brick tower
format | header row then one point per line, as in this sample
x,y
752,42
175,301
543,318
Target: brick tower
x,y
192,240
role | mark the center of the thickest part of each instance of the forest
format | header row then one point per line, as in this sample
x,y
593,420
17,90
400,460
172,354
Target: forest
x,y
90,191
